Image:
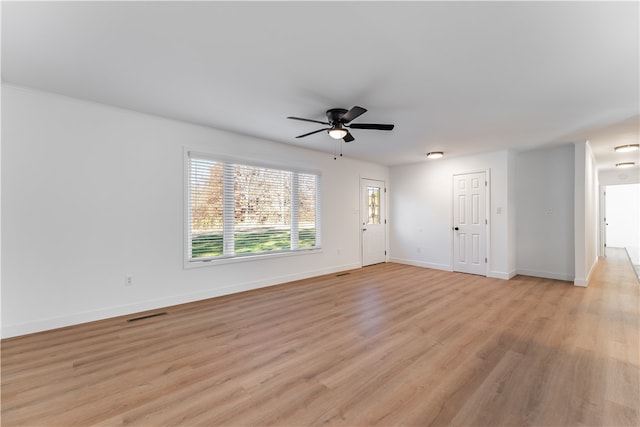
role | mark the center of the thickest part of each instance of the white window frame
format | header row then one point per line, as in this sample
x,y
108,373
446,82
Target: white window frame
x,y
226,259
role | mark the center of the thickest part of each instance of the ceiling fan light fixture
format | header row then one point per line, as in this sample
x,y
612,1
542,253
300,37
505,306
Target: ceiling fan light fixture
x,y
337,132
626,148
625,164
435,155
338,119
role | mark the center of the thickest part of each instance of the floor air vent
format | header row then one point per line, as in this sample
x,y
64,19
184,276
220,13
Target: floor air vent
x,y
148,316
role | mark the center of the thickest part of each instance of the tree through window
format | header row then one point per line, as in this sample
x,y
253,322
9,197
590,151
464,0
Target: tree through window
x,y
238,209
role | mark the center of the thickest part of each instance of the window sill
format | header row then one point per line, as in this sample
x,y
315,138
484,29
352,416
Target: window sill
x,y
247,258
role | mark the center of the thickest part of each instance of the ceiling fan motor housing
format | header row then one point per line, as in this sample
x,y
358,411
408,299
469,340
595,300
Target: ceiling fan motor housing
x,y
335,114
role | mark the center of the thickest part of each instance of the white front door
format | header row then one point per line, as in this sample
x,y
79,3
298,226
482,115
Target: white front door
x,y
373,221
469,223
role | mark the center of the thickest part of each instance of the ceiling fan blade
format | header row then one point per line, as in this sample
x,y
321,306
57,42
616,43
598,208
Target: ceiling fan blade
x,y
352,114
348,137
308,120
311,133
375,126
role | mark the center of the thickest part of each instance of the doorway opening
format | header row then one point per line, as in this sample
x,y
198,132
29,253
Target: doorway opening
x,y
622,220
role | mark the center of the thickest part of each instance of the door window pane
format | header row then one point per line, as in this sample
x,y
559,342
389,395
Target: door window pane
x,y
373,203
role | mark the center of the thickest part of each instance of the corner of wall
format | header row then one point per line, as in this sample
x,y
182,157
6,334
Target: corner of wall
x,y
585,282
501,275
585,213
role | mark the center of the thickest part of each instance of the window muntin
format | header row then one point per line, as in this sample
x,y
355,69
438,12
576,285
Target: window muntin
x,y
237,209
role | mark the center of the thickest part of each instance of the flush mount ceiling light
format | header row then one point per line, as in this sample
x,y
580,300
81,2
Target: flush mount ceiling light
x,y
435,154
626,148
625,164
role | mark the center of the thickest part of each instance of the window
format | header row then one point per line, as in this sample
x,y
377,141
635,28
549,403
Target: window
x,y
373,204
237,209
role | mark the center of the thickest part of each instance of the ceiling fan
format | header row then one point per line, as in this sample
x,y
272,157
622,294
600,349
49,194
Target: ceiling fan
x,y
338,120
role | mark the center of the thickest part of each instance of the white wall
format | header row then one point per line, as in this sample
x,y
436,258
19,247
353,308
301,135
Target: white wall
x,y
91,193
586,213
512,210
0,206
421,206
544,190
623,176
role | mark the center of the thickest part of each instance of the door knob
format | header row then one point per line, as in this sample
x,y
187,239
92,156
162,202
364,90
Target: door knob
x,y
364,229
456,228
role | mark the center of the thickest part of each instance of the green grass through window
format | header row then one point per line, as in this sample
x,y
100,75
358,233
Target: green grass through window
x,y
262,241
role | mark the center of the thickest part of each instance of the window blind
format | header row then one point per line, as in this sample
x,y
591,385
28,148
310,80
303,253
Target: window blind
x,y
237,209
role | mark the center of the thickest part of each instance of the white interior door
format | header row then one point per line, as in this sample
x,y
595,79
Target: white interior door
x,y
373,222
470,223
622,204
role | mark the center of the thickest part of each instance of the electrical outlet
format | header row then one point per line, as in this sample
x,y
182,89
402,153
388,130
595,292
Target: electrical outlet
x,y
128,280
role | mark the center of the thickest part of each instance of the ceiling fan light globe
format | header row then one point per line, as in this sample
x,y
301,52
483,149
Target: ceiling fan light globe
x,y
337,133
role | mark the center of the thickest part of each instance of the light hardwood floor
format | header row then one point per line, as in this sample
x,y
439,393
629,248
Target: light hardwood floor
x,y
384,345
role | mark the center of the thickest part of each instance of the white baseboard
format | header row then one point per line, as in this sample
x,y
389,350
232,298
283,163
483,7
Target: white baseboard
x,y
446,267
546,275
581,283
41,325
584,282
424,264
502,275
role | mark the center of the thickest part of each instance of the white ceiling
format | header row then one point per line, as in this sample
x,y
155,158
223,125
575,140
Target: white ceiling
x,y
461,77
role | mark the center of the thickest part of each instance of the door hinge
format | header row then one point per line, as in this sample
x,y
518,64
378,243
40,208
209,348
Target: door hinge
x,y
385,252
385,221
485,260
385,189
485,183
486,221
